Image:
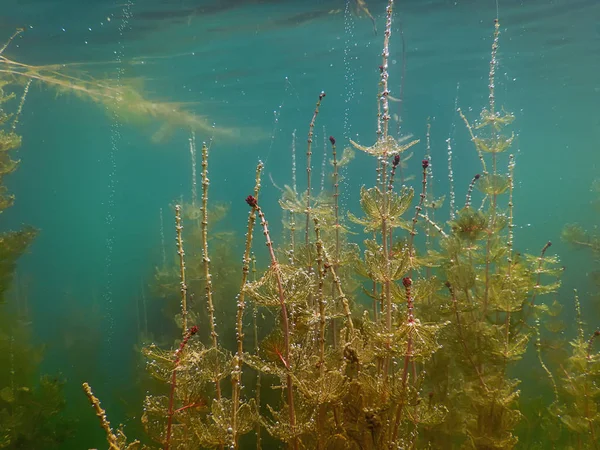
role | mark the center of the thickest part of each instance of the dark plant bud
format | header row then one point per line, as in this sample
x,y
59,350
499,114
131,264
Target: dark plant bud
x,y
396,160
193,330
597,333
425,163
407,282
321,95
332,140
477,176
251,200
381,68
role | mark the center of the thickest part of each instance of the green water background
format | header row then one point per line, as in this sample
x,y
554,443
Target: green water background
x,y
94,186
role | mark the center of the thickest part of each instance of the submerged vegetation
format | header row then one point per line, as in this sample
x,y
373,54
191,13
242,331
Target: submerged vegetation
x,y
375,325
118,96
406,340
30,409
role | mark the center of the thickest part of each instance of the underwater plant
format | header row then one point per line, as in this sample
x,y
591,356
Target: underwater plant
x,y
571,421
119,96
406,340
587,240
30,409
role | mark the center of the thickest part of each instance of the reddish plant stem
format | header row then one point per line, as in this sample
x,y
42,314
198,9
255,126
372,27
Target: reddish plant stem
x,y
192,331
253,203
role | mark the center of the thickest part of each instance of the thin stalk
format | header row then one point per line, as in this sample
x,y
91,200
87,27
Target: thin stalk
x,y
236,375
292,215
182,284
320,298
309,168
113,443
253,203
189,333
206,260
258,377
336,210
407,283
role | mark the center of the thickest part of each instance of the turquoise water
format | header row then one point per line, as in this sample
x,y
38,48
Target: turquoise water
x,y
94,183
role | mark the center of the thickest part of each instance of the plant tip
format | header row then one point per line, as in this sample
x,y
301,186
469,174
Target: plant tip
x,y
407,282
396,160
332,140
425,163
252,202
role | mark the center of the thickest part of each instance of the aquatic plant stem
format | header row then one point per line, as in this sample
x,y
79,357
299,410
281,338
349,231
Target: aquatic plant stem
x,y
340,292
509,247
407,283
101,413
461,337
253,203
182,283
336,212
538,348
258,378
418,208
192,141
402,79
382,132
206,260
321,268
470,191
474,140
384,70
292,214
311,128
189,333
492,222
384,124
536,287
17,32
320,300
241,303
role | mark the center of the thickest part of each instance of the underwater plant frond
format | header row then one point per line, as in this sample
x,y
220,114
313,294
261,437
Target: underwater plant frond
x,y
297,286
213,432
378,207
347,157
469,225
493,184
121,97
279,425
495,120
494,145
381,269
387,146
